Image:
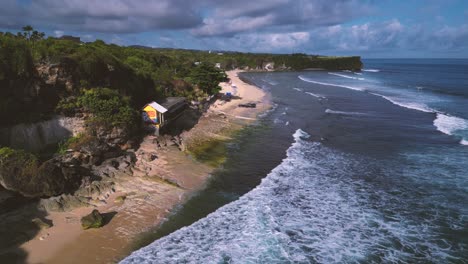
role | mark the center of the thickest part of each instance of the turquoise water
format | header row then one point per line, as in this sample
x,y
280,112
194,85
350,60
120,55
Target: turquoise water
x,y
349,167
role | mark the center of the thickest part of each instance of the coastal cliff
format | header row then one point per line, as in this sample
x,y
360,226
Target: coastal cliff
x,y
84,99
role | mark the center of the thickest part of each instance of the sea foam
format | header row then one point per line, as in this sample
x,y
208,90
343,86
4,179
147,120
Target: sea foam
x,y
329,111
450,125
307,209
346,76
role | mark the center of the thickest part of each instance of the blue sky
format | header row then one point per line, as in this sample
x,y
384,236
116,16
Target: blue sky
x,y
371,29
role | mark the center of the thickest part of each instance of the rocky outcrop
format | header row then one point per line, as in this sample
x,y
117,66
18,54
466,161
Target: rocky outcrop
x,y
19,172
56,75
93,220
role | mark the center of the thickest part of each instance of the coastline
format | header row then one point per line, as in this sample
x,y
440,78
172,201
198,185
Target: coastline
x,y
149,200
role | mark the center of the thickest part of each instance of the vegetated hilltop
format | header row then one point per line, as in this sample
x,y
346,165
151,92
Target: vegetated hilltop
x,y
37,73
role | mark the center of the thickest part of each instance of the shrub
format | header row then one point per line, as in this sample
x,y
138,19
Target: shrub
x,y
108,106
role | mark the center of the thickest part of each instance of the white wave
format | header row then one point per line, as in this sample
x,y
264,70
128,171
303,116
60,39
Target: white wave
x,y
346,76
298,89
305,79
270,82
287,123
357,73
315,95
370,70
410,105
329,111
266,113
451,125
300,134
305,210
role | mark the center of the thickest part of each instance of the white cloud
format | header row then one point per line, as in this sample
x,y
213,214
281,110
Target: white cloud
x,y
213,27
58,33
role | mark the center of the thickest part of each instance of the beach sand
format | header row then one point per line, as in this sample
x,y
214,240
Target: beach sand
x,y
149,200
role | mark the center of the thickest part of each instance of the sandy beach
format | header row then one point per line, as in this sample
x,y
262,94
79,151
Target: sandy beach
x,y
148,199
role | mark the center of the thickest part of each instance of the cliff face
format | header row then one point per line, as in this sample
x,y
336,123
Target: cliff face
x,y
35,136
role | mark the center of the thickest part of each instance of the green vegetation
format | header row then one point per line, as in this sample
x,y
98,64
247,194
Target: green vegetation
x,y
39,76
207,78
21,162
74,143
107,105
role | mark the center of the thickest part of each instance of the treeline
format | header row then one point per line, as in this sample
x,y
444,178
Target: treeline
x,y
37,74
258,61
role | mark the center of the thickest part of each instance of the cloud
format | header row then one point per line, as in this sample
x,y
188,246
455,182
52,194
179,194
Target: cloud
x,y
283,15
114,16
58,33
386,37
228,27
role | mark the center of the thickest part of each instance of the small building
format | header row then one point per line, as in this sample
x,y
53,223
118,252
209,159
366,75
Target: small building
x,y
158,115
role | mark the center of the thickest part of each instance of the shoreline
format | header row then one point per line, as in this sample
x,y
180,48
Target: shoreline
x,y
149,200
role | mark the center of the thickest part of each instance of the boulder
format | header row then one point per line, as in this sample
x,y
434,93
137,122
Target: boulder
x,y
40,224
93,220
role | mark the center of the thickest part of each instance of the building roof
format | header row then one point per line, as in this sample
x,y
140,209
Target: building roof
x,y
172,103
158,107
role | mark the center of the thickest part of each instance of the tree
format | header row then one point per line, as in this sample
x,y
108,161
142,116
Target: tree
x,y
207,78
27,31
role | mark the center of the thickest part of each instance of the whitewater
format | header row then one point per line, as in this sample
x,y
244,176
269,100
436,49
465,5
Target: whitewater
x,y
444,122
307,210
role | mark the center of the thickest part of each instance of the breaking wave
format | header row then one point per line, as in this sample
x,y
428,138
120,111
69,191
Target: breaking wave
x,y
370,70
329,111
305,79
307,209
410,105
450,125
346,76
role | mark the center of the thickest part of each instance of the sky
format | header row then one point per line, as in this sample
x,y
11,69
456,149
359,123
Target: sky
x,y
368,28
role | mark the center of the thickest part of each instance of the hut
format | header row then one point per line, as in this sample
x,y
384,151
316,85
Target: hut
x,y
158,115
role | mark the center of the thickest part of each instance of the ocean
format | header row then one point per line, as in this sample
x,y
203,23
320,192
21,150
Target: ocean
x,y
348,167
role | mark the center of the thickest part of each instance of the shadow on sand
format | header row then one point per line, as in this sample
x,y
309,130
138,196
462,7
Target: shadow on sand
x,y
16,225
